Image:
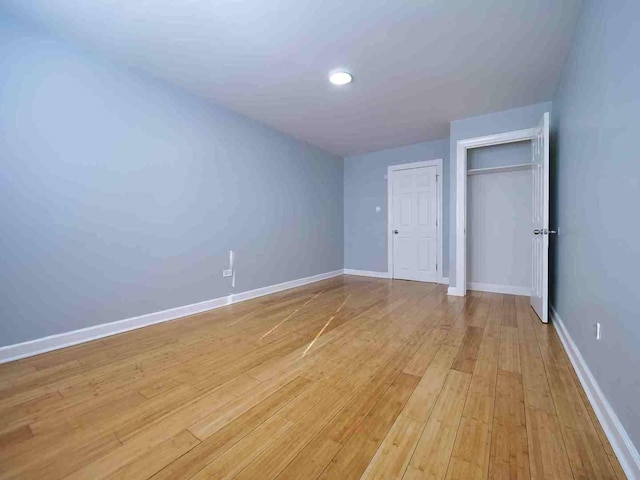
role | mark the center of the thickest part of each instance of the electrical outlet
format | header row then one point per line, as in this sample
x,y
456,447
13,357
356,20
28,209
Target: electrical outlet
x,y
598,332
227,273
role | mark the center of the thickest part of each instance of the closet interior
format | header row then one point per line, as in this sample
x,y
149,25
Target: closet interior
x,y
499,215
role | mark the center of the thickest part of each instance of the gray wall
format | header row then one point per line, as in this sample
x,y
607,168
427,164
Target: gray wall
x,y
365,188
499,122
596,182
499,228
503,155
120,195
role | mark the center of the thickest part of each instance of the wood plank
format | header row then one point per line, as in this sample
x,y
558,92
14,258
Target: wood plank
x,y
282,450
392,457
470,455
468,354
314,457
547,452
246,450
427,351
352,460
509,447
423,399
15,436
509,316
509,351
433,451
219,442
156,458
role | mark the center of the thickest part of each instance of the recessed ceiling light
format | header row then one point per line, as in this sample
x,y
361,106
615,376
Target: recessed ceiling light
x,y
340,78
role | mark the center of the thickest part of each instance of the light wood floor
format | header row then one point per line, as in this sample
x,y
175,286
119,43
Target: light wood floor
x,y
343,379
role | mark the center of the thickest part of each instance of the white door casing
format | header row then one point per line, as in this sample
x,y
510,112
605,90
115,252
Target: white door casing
x,y
414,223
539,137
540,221
459,288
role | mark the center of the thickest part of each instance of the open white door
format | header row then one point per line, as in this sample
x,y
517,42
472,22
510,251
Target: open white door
x,y
414,224
540,221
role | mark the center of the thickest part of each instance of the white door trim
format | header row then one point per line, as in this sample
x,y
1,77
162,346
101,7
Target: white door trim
x,y
460,288
406,166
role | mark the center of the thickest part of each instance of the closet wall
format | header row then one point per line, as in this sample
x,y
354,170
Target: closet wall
x,y
499,219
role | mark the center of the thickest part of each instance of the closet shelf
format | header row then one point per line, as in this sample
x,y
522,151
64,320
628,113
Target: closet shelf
x,y
508,168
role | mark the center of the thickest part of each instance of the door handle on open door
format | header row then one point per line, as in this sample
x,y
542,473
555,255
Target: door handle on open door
x,y
537,232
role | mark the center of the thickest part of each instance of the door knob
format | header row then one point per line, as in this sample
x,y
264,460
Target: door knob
x,y
395,231
537,232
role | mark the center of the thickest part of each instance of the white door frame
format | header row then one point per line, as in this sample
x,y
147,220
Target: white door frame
x,y
460,288
407,166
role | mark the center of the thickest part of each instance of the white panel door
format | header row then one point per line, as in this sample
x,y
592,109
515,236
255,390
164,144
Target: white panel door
x,y
540,221
415,224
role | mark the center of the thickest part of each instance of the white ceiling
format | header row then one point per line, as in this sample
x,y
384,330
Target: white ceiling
x,y
417,64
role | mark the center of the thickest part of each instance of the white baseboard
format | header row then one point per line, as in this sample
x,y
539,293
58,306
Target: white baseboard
x,y
41,345
453,291
366,273
624,449
369,273
494,288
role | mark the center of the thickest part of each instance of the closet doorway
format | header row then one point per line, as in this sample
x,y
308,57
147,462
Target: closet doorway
x,y
499,210
502,217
